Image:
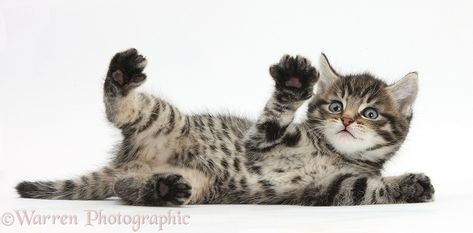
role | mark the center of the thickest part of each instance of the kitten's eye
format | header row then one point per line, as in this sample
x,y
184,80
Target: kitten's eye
x,y
370,113
335,107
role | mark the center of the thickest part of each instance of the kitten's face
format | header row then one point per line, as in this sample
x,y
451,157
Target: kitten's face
x,y
359,113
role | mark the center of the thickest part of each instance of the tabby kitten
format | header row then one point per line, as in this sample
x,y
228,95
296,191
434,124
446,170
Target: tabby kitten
x,y
355,123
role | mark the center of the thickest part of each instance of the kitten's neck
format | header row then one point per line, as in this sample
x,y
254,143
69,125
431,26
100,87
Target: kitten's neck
x,y
372,160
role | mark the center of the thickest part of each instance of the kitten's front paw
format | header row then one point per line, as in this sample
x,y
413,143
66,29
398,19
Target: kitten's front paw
x,y
295,77
126,70
167,189
414,188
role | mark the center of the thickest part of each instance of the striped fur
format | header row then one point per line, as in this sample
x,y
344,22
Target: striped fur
x,y
94,186
169,158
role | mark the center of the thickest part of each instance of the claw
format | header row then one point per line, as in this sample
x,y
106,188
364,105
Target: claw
x,y
142,64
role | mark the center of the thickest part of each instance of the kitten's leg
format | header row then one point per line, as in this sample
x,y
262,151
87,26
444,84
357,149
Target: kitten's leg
x,y
349,189
94,186
294,80
129,110
161,189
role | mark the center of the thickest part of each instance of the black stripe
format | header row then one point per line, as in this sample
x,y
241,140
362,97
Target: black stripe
x,y
385,135
272,130
376,147
226,134
213,147
196,122
377,164
226,175
210,164
224,125
153,116
69,186
315,104
225,149
291,139
365,91
280,108
224,163
210,121
390,117
236,164
349,88
201,122
68,189
130,125
255,169
373,197
255,148
358,190
243,183
231,184
83,192
186,128
371,97
334,188
296,179
237,146
388,190
171,122
265,183
394,125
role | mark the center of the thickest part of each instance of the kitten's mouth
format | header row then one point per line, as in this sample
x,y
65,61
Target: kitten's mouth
x,y
346,132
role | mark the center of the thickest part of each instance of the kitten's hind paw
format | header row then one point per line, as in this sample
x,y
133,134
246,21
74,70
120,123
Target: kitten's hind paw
x,y
167,190
295,77
126,70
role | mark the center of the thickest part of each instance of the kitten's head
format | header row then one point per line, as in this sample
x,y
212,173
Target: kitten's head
x,y
361,116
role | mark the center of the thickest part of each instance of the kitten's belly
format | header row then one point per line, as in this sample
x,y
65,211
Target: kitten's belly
x,y
299,168
154,151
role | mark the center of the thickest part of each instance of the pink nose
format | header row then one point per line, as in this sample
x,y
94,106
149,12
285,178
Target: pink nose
x,y
347,121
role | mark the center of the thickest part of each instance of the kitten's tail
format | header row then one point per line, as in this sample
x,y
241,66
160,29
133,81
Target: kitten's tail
x,y
97,185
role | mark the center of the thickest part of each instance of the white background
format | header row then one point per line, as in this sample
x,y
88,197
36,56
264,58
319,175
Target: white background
x,y
214,56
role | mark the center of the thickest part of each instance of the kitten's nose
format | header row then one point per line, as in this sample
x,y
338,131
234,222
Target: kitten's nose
x,y
347,121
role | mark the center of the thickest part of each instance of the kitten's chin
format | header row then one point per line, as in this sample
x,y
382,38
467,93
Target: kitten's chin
x,y
346,143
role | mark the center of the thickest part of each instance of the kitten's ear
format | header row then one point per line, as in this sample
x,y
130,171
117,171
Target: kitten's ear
x,y
404,92
327,75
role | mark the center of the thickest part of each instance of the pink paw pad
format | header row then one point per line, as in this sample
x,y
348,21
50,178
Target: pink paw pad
x,y
293,82
118,77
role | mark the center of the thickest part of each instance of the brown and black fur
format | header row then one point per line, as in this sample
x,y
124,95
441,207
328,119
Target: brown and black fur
x,y
168,158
